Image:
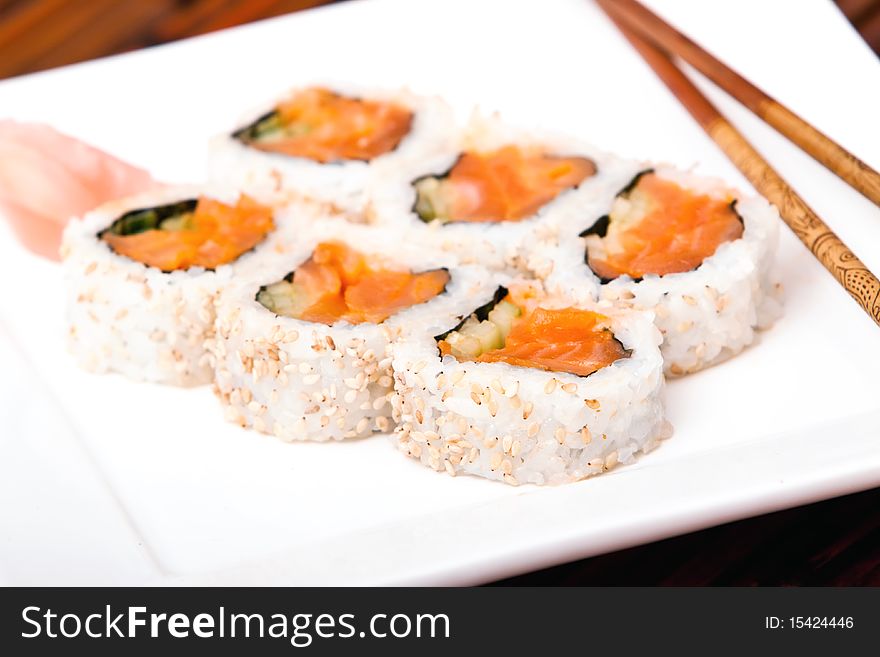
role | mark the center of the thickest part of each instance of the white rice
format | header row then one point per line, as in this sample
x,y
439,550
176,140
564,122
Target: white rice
x,y
523,425
234,163
147,324
705,315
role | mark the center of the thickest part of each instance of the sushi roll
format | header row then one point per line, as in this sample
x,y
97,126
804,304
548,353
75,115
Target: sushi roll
x,y
323,142
691,250
142,274
528,388
496,191
301,350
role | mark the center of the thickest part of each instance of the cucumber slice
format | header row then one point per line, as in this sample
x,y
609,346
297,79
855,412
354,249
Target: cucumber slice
x,y
180,222
502,315
431,201
488,335
463,347
283,298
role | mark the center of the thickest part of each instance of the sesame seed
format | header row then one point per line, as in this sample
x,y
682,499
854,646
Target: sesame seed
x,y
382,423
534,427
362,425
495,461
255,407
489,442
586,436
475,398
527,410
506,443
510,479
593,404
379,402
259,424
560,435
291,336
688,299
493,406
449,468
512,389
515,448
457,377
497,387
611,460
304,368
570,388
418,367
311,379
676,369
419,417
550,386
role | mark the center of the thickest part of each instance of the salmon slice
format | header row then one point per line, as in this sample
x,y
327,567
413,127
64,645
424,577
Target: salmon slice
x,y
324,126
660,228
567,340
339,283
47,177
520,332
508,184
213,234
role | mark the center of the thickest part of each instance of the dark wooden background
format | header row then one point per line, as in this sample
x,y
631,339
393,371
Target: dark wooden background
x,y
835,543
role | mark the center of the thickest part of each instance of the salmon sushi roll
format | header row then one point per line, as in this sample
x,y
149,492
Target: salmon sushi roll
x,y
142,274
528,387
324,141
494,192
302,350
691,250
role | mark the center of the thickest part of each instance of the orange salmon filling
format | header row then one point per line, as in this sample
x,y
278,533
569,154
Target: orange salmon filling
x,y
662,228
508,184
324,126
213,234
337,283
565,340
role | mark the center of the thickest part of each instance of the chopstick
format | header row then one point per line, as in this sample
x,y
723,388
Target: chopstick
x,y
822,148
834,255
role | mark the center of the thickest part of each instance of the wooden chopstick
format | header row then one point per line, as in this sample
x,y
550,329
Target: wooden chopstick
x,y
822,148
834,255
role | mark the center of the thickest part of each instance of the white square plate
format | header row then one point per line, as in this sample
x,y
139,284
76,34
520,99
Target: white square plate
x,y
108,481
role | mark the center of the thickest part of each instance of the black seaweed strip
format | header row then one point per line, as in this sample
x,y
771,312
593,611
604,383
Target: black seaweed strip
x,y
159,214
481,313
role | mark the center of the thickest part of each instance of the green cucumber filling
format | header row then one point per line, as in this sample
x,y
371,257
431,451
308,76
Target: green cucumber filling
x,y
171,217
